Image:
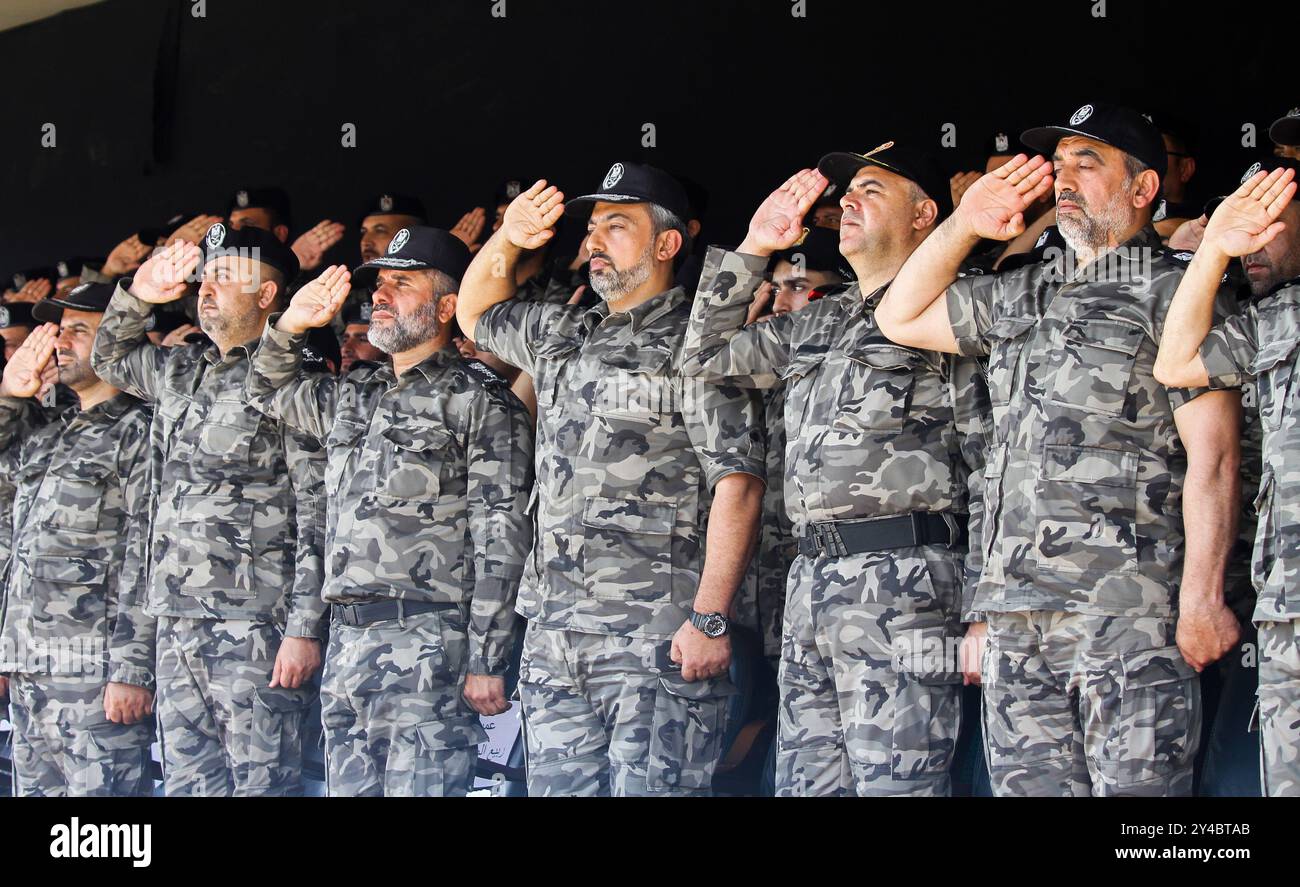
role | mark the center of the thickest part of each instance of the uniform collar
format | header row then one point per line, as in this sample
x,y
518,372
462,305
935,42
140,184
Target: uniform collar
x,y
637,318
212,354
110,409
1145,238
431,367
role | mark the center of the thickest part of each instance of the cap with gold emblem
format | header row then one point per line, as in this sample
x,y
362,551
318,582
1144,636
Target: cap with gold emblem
x,y
920,168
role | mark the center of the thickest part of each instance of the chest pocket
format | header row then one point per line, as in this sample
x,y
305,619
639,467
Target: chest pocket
x,y
636,386
228,431
1273,371
877,388
1007,338
1097,358
76,496
339,445
413,462
552,353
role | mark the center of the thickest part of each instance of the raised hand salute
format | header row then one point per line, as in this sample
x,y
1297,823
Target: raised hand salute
x,y
316,303
530,219
994,206
167,273
1246,221
24,373
777,224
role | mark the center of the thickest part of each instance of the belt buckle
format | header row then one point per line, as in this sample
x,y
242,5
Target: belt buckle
x,y
818,539
347,613
835,546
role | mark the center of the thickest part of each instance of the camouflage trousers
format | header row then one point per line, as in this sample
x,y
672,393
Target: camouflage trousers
x,y
870,694
606,715
395,720
224,730
1078,704
1279,708
64,746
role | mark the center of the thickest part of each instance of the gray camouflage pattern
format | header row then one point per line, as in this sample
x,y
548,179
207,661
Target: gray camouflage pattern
x,y
73,602
628,453
1084,478
224,731
1279,708
608,715
427,482
1078,704
237,529
64,746
873,430
395,720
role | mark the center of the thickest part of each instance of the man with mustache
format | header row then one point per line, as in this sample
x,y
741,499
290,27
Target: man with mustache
x,y
882,444
1259,224
74,643
430,468
624,679
1111,498
356,346
235,571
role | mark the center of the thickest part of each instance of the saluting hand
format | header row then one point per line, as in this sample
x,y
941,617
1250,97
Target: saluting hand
x,y
311,246
1247,220
316,303
24,373
470,228
529,220
778,222
126,256
994,207
33,291
164,277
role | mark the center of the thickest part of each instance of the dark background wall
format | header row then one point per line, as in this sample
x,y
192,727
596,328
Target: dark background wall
x,y
158,111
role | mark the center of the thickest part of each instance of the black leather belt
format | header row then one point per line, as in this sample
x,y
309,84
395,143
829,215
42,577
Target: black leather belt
x,y
842,538
364,614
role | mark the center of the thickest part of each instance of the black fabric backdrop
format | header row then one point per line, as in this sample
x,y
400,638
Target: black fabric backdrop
x,y
158,111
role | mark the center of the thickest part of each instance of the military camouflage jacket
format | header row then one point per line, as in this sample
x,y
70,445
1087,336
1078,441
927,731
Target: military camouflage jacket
x,y
628,454
73,603
1085,478
237,528
21,418
1260,345
428,482
874,429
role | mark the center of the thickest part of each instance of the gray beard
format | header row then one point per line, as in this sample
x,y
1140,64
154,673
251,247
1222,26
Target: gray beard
x,y
612,284
1094,232
406,330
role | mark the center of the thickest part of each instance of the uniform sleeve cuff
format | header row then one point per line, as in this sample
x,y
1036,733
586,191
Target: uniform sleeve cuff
x,y
122,673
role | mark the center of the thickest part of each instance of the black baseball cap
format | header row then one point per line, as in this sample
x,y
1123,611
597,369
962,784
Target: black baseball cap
x,y
416,248
1285,130
635,183
82,297
1000,144
151,234
251,242
274,199
820,250
74,266
917,167
22,278
14,314
1114,125
1265,162
393,204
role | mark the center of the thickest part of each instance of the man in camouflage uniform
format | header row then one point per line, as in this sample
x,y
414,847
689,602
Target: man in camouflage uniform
x,y
78,651
883,443
1098,611
1257,344
624,680
235,566
810,270
430,467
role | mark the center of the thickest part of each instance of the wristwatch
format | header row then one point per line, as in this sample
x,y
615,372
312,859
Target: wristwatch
x,y
713,625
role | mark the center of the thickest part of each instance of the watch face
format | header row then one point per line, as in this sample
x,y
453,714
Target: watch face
x,y
715,626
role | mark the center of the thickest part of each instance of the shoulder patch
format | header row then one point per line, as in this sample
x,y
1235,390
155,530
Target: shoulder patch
x,y
485,373
1183,256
